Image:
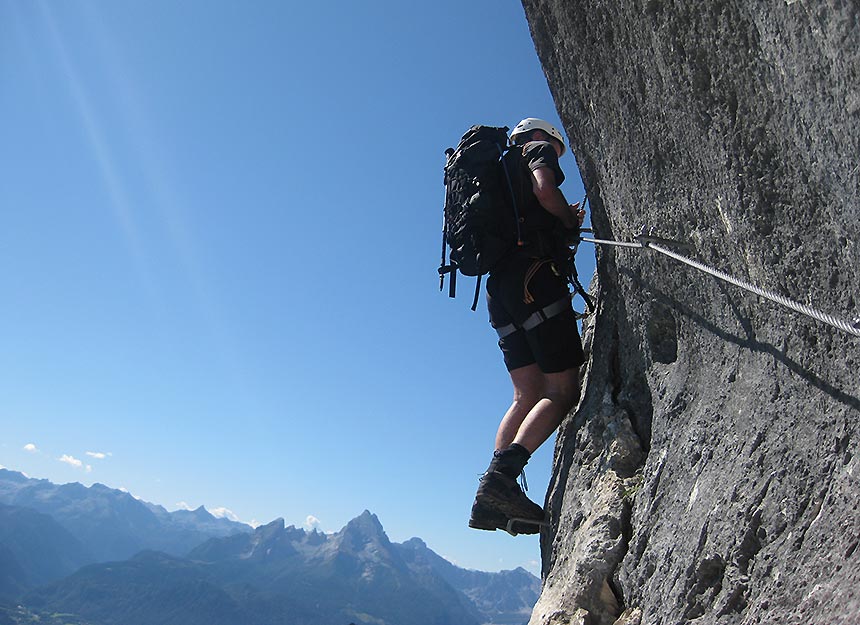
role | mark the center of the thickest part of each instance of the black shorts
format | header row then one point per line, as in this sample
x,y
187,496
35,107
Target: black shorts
x,y
525,286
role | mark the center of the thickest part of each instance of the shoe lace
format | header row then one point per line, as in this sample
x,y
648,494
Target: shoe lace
x,y
523,482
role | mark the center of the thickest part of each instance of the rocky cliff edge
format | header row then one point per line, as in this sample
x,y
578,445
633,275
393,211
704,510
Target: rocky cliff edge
x,y
711,472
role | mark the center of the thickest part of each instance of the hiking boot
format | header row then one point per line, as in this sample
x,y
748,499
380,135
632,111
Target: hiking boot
x,y
502,495
484,518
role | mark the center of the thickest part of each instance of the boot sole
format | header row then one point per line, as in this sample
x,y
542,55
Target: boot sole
x,y
477,525
503,507
513,527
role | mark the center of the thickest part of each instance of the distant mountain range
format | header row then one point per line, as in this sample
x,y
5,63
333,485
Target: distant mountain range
x,y
110,524
192,568
34,550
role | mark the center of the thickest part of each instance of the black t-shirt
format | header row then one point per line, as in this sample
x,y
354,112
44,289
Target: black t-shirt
x,y
539,154
524,160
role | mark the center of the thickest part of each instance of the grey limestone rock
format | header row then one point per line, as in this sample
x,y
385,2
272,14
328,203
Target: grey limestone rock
x,y
711,472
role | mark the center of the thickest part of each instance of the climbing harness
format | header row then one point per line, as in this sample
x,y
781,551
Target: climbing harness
x,y
537,317
646,240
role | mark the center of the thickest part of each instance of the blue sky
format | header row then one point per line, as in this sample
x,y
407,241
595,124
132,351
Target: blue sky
x,y
219,240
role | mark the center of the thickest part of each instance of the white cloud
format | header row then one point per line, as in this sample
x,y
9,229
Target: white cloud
x,y
224,513
71,461
313,523
99,455
74,462
183,506
2,467
31,448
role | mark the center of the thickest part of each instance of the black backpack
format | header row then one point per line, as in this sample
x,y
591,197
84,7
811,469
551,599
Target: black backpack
x,y
481,221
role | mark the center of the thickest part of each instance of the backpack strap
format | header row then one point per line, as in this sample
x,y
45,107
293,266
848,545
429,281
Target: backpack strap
x,y
451,270
511,192
444,266
477,293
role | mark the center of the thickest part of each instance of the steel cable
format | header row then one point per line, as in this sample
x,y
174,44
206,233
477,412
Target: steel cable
x,y
809,311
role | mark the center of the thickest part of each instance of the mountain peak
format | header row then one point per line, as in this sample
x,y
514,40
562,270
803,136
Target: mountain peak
x,y
364,543
273,526
366,524
415,543
269,532
13,476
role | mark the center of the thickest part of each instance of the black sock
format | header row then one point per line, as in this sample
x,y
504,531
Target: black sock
x,y
510,461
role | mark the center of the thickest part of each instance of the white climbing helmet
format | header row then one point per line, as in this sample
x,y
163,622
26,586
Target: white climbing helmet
x,y
533,123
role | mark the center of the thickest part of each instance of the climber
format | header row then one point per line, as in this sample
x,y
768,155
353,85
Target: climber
x,y
530,309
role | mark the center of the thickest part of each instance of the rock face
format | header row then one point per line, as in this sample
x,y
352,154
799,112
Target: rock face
x,y
711,473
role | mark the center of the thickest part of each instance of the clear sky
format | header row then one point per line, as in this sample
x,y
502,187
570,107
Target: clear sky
x,y
219,240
